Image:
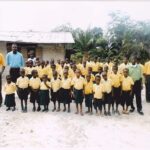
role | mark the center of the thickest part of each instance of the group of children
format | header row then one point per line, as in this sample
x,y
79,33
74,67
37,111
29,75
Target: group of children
x,y
102,85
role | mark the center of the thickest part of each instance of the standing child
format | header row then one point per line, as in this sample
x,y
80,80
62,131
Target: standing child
x,y
127,87
88,93
55,87
98,95
10,89
34,84
116,88
23,89
78,84
107,90
65,91
44,92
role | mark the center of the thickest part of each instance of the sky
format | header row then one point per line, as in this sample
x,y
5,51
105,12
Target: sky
x,y
45,16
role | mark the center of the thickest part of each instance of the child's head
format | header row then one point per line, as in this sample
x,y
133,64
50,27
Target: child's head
x,y
106,68
34,73
8,78
58,61
27,63
88,78
66,67
55,74
62,63
65,73
44,77
100,69
30,63
126,59
125,72
104,74
89,70
43,63
78,73
133,60
84,63
74,67
115,69
53,67
22,72
97,79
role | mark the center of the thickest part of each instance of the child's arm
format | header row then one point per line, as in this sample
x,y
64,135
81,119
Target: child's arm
x,y
47,85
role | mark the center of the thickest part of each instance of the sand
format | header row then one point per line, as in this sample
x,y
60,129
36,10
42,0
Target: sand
x,y
53,130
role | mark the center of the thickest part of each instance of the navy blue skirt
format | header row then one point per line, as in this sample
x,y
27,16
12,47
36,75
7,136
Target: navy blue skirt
x,y
34,96
88,100
23,93
55,96
65,96
78,95
10,100
44,97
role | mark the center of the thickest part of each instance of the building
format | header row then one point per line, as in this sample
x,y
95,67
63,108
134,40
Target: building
x,y
44,45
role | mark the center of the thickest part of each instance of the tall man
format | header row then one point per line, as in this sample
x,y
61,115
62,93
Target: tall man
x,y
2,68
135,72
147,80
15,61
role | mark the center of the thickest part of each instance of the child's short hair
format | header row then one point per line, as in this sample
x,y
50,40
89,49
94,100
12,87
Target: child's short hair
x,y
8,76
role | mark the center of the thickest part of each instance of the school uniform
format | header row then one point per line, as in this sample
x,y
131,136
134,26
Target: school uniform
x,y
107,90
116,87
10,90
127,83
95,66
122,67
88,92
23,87
28,71
65,91
34,83
147,80
98,96
44,93
78,84
42,71
55,88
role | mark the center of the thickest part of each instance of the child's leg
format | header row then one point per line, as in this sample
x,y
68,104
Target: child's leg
x,y
8,109
44,108
64,107
68,107
14,108
22,107
34,108
77,108
58,106
104,105
81,109
54,106
25,104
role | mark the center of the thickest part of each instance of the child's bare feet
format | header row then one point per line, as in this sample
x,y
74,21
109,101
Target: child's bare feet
x,y
81,113
64,109
53,109
76,112
87,112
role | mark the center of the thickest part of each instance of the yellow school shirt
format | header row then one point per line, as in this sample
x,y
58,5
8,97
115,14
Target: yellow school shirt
x,y
98,91
10,88
49,72
44,87
55,84
78,83
88,87
84,70
66,83
72,74
23,82
92,77
147,68
127,83
42,71
107,85
79,66
58,66
115,79
34,83
28,70
95,66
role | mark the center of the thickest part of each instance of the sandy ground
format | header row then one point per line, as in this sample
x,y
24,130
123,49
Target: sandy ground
x,y
69,131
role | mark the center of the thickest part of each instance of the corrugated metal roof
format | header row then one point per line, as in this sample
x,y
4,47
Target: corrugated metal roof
x,y
36,37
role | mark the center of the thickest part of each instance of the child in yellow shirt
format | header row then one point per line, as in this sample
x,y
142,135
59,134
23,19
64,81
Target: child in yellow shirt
x,y
115,77
65,91
88,94
44,92
34,84
98,95
55,88
107,91
10,89
78,87
127,87
23,89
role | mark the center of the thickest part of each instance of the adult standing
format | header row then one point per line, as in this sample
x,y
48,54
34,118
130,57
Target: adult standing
x,y
2,68
135,72
147,80
15,61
